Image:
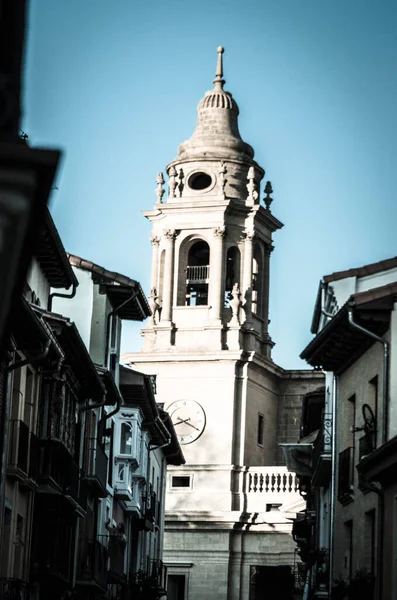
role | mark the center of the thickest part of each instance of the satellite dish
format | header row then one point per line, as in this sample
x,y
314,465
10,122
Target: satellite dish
x,y
369,419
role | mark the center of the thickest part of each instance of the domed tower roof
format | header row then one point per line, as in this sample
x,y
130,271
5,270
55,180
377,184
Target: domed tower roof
x,y
216,134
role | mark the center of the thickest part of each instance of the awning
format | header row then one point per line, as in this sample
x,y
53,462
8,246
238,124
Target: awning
x,y
298,458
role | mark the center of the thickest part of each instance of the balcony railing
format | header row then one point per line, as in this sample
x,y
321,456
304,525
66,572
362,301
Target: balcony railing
x,y
58,471
198,274
18,448
266,486
14,589
346,475
92,563
271,480
366,444
96,463
116,546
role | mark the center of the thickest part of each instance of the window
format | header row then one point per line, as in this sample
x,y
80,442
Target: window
x,y
199,181
176,587
232,272
126,438
197,274
348,556
261,429
180,481
369,540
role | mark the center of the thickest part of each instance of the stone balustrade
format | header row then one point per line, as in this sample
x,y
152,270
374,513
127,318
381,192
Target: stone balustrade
x,y
269,486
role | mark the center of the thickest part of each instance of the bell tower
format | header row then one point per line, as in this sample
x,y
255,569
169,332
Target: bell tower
x,y
212,240
209,345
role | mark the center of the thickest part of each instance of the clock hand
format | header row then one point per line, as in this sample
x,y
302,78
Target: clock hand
x,y
186,421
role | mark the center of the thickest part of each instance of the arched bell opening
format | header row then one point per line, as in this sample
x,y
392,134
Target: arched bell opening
x,y
257,281
232,272
197,274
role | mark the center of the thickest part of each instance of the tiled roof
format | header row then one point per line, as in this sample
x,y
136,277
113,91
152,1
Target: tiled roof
x,y
371,269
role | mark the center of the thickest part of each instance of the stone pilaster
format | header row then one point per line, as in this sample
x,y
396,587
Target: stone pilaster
x,y
216,274
155,241
168,285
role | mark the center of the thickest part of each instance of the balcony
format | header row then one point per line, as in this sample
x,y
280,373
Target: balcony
x,y
346,475
96,463
116,546
150,583
321,457
59,474
14,589
92,564
269,486
198,274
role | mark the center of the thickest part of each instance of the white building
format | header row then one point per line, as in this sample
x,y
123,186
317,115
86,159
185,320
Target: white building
x,y
229,508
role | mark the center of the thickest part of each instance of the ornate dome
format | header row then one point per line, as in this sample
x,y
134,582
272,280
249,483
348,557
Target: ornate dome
x,y
216,134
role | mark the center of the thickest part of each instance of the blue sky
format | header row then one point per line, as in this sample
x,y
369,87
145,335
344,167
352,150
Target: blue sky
x,y
115,84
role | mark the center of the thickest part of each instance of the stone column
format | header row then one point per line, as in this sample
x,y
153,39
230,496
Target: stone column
x,y
155,241
248,256
216,273
168,284
265,288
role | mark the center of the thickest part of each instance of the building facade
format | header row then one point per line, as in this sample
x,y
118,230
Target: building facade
x,y
228,528
355,342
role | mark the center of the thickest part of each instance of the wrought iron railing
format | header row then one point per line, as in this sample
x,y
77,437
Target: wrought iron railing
x,y
57,465
323,442
116,547
92,562
346,473
198,274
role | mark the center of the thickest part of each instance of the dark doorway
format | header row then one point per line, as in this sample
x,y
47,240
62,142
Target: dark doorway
x,y
176,587
268,583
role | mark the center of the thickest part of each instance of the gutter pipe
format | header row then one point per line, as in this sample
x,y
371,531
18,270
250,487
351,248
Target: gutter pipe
x,y
333,484
58,295
385,420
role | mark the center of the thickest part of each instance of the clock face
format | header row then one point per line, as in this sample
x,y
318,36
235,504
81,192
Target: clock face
x,y
188,418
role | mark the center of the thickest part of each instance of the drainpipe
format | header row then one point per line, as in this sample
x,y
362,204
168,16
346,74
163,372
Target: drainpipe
x,y
58,295
377,338
333,484
323,311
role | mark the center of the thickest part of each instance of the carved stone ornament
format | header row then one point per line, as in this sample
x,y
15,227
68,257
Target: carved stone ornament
x,y
181,185
235,304
159,190
222,179
268,199
251,186
155,240
172,184
154,306
219,232
248,235
169,234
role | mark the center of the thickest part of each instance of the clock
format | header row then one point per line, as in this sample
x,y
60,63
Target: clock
x,y
188,418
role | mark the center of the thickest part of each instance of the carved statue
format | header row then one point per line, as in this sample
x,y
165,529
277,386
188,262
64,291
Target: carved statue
x,y
154,306
235,305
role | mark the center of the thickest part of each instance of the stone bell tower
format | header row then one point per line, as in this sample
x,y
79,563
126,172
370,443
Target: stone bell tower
x,y
211,240
209,345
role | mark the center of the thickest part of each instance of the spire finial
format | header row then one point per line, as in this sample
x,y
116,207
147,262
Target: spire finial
x,y
218,81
